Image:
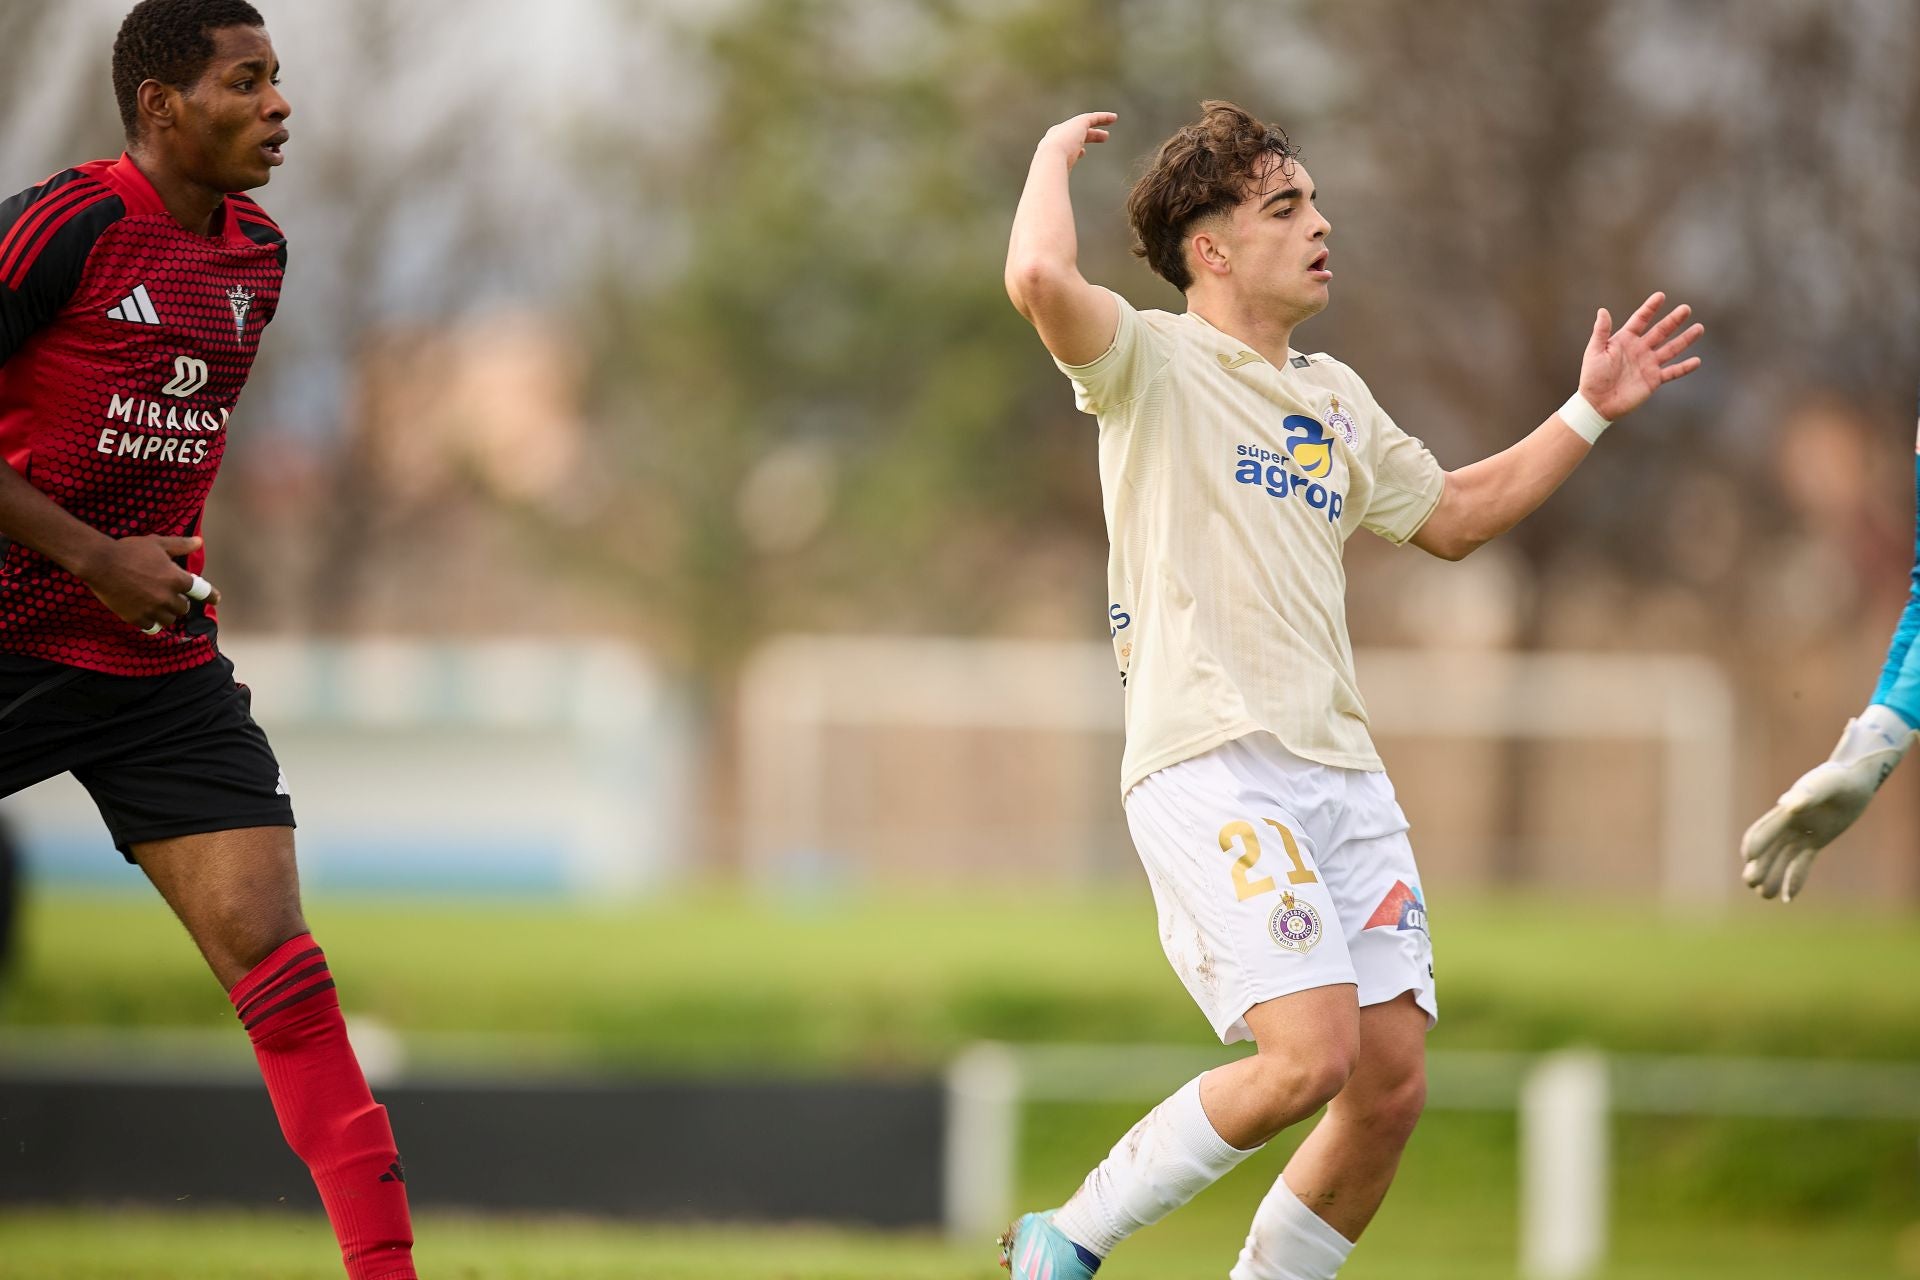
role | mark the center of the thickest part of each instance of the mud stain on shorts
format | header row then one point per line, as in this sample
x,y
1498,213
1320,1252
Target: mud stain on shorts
x,y
1204,972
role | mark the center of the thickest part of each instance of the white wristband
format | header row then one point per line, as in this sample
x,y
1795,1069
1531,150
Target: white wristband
x,y
1878,728
1583,417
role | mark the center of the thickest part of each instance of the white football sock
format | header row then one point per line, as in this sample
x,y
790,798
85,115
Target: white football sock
x,y
1162,1162
1290,1242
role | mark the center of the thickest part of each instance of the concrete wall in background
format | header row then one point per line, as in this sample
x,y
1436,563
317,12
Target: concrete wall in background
x,y
543,767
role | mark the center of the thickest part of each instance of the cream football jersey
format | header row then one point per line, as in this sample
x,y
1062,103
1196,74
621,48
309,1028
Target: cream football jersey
x,y
1231,487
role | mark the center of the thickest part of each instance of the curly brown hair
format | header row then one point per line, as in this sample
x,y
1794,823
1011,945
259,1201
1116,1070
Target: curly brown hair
x,y
1202,171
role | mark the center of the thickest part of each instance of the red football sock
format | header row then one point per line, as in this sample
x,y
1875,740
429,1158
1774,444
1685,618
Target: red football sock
x,y
329,1118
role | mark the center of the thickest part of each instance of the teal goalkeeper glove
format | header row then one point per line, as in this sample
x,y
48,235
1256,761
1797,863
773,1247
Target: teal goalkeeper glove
x,y
1779,849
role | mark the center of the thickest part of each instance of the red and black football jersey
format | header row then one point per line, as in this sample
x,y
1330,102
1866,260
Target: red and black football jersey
x,y
125,340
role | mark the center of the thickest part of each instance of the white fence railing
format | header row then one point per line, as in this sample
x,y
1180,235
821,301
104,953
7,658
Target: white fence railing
x,y
1565,1101
798,691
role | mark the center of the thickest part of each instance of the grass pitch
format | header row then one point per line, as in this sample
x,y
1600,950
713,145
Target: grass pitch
x,y
711,985
201,1246
714,984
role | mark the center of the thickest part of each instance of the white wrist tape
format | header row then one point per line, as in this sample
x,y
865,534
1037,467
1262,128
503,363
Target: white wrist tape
x,y
1583,417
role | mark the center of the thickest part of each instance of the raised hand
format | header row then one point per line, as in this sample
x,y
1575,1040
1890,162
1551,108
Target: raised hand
x,y
1072,137
1622,369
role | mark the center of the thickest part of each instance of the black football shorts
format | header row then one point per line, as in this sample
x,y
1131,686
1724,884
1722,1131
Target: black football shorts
x,y
162,756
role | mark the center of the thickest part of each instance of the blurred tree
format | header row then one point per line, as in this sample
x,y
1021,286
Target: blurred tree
x,y
1506,168
404,216
1515,166
813,407
827,413
821,412
837,219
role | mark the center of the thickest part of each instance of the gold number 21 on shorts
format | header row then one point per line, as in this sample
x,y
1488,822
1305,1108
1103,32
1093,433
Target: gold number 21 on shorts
x,y
1250,855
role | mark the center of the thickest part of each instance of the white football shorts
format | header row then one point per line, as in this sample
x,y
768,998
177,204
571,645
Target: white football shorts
x,y
1273,874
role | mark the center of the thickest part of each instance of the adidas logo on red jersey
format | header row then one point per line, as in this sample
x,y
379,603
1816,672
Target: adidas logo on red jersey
x,y
135,308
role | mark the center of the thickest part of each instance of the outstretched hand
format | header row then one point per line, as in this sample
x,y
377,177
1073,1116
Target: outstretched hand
x,y
1779,849
1072,137
1622,369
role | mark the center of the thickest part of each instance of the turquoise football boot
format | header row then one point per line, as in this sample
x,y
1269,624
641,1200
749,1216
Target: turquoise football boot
x,y
1034,1249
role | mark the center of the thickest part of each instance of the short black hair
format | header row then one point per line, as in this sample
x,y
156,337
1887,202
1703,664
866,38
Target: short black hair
x,y
170,41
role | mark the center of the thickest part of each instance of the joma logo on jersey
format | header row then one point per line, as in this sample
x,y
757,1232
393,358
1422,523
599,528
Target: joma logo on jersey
x,y
1264,467
189,375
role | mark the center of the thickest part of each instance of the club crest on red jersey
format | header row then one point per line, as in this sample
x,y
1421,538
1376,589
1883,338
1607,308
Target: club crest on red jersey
x,y
241,300
1401,909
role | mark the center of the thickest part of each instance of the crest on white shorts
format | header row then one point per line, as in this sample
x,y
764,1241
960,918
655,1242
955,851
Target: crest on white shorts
x,y
1294,924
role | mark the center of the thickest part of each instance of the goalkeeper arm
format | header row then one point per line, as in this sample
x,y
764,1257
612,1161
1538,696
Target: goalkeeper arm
x,y
1779,849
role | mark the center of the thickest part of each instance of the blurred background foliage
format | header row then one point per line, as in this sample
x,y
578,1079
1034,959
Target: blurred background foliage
x,y
682,323
763,239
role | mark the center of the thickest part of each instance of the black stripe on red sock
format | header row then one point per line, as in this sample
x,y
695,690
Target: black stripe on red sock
x,y
294,999
280,988
304,956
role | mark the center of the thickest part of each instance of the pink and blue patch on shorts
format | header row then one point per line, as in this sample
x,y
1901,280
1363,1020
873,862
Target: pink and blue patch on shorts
x,y
1403,908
